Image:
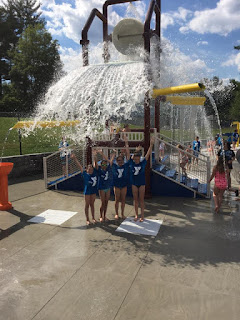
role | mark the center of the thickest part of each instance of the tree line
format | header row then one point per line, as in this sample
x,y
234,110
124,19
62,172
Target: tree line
x,y
29,57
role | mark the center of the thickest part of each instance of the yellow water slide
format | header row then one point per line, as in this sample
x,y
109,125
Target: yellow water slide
x,y
186,100
45,124
179,89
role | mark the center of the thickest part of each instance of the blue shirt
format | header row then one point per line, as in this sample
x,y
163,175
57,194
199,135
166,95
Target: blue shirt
x,y
90,182
104,181
235,136
196,145
137,172
120,175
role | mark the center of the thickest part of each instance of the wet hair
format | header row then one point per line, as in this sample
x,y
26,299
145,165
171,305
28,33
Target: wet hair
x,y
179,146
120,157
220,165
137,154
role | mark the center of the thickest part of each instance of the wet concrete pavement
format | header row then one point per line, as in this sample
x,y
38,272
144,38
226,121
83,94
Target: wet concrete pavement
x,y
190,270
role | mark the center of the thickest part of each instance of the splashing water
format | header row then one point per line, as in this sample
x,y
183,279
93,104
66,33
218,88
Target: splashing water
x,y
95,94
4,143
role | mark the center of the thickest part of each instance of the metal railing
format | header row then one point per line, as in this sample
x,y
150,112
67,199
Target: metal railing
x,y
185,145
132,136
184,163
60,166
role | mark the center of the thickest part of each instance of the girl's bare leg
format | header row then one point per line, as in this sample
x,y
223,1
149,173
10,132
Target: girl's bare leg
x,y
117,192
141,200
135,200
87,198
123,199
216,198
220,197
107,197
102,197
92,200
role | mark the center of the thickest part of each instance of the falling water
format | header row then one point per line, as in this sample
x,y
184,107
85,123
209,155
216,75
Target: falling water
x,y
4,143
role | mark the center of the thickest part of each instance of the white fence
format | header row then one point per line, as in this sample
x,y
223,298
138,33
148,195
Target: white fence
x,y
59,165
132,136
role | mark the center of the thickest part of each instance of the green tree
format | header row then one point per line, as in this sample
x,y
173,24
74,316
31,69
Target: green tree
x,y
36,63
222,95
235,103
15,17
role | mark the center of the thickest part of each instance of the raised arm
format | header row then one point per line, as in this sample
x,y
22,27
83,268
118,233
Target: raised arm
x,y
127,146
95,164
73,156
112,157
149,149
103,155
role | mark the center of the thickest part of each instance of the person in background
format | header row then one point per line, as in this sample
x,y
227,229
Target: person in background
x,y
196,149
189,150
161,149
126,128
221,174
183,158
235,137
90,178
229,156
65,153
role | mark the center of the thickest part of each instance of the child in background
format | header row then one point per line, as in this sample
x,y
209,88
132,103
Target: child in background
x,y
183,158
161,149
221,174
90,176
189,150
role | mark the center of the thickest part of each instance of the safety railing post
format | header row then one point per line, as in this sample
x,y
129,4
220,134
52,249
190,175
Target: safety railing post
x,y
45,171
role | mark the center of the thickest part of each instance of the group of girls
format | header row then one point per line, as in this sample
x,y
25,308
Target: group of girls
x,y
122,172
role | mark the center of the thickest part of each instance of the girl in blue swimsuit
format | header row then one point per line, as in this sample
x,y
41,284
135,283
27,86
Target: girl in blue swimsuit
x,y
104,185
137,176
90,176
120,180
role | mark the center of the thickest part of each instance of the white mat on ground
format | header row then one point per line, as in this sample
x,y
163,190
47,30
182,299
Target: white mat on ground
x,y
55,217
147,227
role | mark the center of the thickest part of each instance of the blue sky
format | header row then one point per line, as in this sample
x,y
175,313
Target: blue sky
x,y
205,31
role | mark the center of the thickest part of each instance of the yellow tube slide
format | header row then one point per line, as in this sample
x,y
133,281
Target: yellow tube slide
x,y
45,124
187,101
179,89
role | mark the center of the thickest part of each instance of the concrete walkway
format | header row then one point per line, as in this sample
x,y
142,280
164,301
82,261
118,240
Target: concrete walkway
x,y
190,270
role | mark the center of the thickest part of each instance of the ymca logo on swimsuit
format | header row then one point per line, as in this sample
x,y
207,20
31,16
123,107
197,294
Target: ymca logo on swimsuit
x,y
120,173
105,176
137,170
94,181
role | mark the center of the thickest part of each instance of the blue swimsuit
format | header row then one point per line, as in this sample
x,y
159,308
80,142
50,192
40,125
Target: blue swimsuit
x,y
90,182
137,173
120,175
104,181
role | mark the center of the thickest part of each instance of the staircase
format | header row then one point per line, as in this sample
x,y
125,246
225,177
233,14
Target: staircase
x,y
169,178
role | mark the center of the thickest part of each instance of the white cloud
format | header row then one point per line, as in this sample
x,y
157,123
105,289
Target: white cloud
x,y
221,20
234,60
176,17
202,43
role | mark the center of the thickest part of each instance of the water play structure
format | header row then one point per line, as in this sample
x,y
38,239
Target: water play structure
x,y
128,36
123,87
